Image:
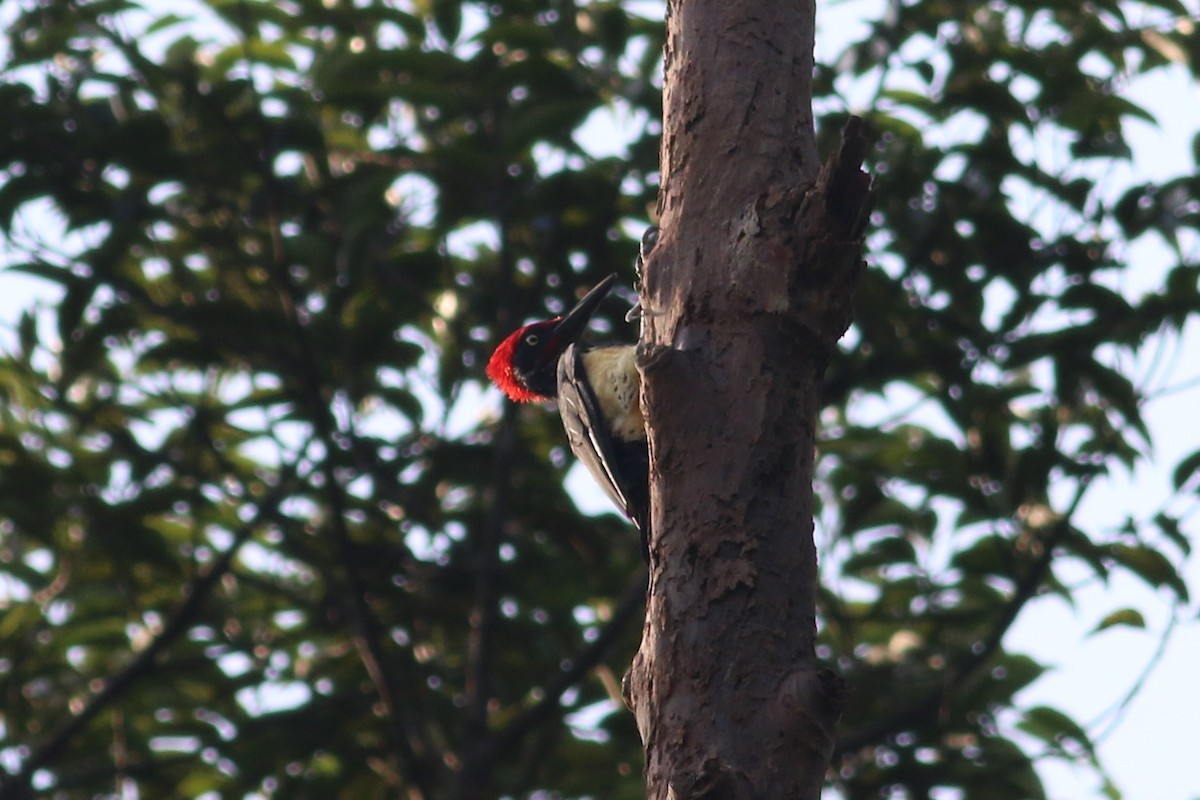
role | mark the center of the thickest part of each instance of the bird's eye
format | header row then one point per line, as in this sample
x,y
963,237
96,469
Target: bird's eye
x,y
531,339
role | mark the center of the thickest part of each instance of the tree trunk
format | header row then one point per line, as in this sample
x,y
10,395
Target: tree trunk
x,y
745,295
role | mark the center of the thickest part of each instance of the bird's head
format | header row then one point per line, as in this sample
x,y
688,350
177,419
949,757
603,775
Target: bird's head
x,y
525,365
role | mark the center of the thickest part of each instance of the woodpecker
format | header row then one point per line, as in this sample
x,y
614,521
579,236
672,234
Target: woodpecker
x,y
598,392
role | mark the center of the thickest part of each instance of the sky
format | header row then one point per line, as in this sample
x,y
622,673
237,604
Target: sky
x,y
1149,744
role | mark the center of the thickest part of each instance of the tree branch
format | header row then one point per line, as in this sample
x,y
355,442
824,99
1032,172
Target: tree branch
x,y
957,675
197,591
630,601
407,734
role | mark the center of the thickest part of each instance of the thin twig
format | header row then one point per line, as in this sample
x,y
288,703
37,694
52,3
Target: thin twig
x,y
630,601
957,675
196,592
407,734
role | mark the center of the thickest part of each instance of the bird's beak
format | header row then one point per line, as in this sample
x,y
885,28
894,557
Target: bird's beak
x,y
574,322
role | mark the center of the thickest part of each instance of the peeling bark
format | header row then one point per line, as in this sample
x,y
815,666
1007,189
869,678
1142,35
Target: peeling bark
x,y
745,294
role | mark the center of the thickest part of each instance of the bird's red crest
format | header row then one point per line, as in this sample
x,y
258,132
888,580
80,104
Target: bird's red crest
x,y
500,369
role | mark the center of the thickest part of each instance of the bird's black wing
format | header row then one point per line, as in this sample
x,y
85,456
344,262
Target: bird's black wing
x,y
621,468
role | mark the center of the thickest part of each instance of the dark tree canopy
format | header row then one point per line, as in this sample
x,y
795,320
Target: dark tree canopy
x,y
260,533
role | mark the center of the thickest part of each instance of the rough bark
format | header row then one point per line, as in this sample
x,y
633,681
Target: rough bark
x,y
745,295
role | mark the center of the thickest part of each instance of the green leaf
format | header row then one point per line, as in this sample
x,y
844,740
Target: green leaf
x,y
1056,729
1170,528
447,15
883,552
15,192
1126,617
1185,470
256,52
990,555
1152,567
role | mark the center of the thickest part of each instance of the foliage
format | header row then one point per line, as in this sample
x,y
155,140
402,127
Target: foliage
x,y
996,318
259,530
